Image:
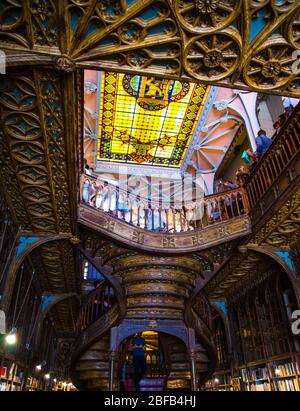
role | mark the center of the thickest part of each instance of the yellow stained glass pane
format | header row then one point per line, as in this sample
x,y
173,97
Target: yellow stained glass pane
x,y
147,119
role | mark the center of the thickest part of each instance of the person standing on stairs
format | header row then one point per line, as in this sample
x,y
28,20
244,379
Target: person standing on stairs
x,y
139,358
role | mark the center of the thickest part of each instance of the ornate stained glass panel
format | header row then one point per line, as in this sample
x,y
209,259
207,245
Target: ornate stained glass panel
x,y
147,120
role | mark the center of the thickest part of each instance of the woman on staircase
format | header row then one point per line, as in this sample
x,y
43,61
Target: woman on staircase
x,y
139,358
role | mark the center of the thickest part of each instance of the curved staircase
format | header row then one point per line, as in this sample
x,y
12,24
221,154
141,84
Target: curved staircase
x,y
92,367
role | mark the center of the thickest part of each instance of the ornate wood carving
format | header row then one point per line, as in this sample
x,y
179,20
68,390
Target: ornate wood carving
x,y
162,242
247,45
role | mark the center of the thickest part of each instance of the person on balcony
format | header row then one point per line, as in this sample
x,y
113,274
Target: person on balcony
x,y
241,175
277,127
230,199
262,142
139,358
87,169
253,160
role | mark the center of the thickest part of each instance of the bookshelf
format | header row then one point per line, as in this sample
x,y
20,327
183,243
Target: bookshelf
x,y
221,381
276,375
256,378
285,375
32,384
11,376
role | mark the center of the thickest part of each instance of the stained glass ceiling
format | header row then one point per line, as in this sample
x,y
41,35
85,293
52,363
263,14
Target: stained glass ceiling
x,y
147,120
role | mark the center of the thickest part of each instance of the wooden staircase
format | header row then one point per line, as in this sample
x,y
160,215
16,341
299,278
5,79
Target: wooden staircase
x,y
92,368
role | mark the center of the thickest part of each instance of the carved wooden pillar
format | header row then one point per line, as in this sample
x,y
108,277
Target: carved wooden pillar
x,y
113,355
63,356
193,371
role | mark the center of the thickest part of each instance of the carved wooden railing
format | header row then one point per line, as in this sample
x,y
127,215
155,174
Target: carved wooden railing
x,y
155,216
99,302
198,316
284,148
202,308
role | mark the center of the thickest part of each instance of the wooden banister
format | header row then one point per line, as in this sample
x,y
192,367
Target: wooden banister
x,y
284,148
160,216
98,302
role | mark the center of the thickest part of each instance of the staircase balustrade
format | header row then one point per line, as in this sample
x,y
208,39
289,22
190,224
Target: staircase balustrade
x,y
99,302
181,216
164,217
284,148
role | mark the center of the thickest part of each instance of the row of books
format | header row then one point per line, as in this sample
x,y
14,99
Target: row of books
x,y
260,386
4,386
254,374
289,384
284,369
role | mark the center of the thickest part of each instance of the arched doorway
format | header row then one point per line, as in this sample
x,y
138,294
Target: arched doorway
x,y
167,363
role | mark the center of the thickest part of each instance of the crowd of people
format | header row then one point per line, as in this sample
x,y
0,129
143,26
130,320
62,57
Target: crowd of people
x,y
187,218
252,158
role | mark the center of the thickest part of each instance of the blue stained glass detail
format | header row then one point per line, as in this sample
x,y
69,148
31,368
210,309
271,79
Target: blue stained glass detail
x,y
12,18
222,306
47,299
258,24
151,13
286,258
160,29
23,242
93,27
108,41
74,20
131,2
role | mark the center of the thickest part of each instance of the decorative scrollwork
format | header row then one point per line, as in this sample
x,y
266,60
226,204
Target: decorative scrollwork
x,y
132,33
206,15
44,22
30,124
12,22
294,30
212,57
282,6
160,37
65,63
138,59
270,66
110,10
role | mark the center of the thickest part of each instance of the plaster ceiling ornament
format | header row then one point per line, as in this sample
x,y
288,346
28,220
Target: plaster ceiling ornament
x,y
221,105
90,87
207,40
210,148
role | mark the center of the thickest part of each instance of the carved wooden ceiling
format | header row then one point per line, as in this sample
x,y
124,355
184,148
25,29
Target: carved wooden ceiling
x,y
38,172
246,44
250,45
